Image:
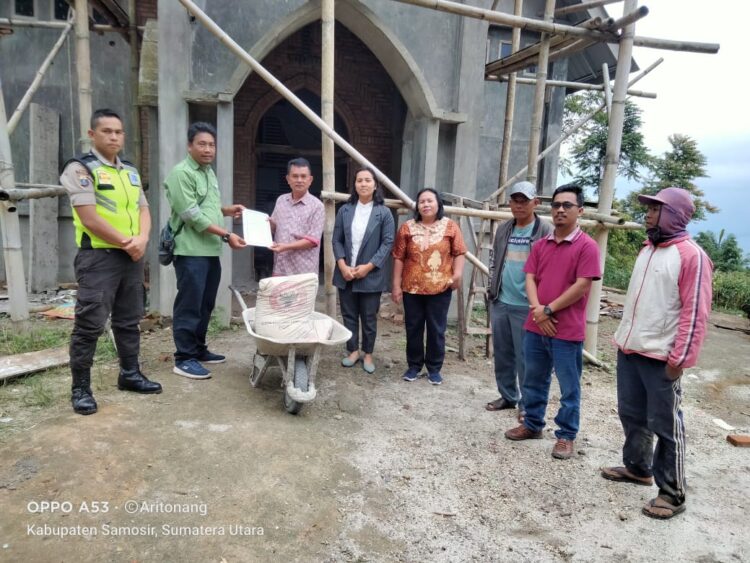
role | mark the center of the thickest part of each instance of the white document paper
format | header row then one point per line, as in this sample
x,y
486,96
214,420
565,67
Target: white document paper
x,y
256,229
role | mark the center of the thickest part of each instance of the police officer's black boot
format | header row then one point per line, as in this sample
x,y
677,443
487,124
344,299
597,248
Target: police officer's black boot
x,y
131,378
81,396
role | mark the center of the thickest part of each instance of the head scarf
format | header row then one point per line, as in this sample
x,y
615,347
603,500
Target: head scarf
x,y
676,210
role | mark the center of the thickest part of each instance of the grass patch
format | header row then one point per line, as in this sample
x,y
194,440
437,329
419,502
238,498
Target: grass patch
x,y
38,338
38,391
215,326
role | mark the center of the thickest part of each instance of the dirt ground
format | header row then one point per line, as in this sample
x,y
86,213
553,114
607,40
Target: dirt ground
x,y
375,469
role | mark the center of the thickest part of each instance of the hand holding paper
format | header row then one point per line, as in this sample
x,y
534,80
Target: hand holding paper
x,y
256,228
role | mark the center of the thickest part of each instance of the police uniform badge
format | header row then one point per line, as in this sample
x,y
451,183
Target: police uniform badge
x,y
104,177
83,178
135,180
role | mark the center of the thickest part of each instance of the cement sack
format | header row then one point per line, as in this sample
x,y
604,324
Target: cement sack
x,y
284,307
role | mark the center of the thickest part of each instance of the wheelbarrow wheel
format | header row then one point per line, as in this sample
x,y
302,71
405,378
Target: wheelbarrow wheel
x,y
301,382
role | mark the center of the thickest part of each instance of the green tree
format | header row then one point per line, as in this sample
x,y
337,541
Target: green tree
x,y
680,166
725,253
588,146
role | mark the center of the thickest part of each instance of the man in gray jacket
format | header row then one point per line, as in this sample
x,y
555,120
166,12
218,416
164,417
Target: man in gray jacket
x,y
507,292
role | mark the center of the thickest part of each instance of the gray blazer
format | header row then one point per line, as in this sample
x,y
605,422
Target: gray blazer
x,y
375,248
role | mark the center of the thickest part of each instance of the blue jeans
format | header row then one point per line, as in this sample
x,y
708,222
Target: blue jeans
x,y
542,355
507,342
197,284
430,312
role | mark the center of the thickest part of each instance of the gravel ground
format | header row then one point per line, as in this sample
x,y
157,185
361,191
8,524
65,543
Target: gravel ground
x,y
375,469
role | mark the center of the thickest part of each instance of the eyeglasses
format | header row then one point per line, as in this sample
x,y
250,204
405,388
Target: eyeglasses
x,y
566,205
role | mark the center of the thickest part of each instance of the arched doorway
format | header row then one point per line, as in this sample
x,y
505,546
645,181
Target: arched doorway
x,y
284,133
370,113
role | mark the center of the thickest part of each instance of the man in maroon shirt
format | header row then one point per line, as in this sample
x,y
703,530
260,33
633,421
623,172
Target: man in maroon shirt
x,y
559,273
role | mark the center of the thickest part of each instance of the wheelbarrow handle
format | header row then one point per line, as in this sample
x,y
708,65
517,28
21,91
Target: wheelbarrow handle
x,y
238,296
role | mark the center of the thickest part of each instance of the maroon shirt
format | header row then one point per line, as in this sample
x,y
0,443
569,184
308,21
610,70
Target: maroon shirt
x,y
556,266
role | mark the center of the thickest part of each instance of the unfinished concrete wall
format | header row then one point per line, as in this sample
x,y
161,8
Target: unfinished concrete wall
x,y
109,83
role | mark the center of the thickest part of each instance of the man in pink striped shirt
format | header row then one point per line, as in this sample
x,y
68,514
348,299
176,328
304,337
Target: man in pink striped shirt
x,y
297,224
663,327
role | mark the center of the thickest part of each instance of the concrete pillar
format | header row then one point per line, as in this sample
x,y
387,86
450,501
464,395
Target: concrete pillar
x,y
225,175
154,201
420,155
44,134
175,46
471,46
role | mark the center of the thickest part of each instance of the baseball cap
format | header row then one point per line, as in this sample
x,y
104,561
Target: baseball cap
x,y
525,188
676,198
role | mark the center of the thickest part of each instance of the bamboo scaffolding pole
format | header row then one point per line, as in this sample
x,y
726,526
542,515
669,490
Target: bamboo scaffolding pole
x,y
537,115
583,6
568,50
34,86
510,100
10,229
607,89
528,55
328,15
630,18
135,126
569,133
612,222
507,20
83,70
611,162
573,85
99,28
277,85
15,194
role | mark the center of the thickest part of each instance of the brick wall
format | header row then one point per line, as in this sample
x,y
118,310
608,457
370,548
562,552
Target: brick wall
x,y
365,98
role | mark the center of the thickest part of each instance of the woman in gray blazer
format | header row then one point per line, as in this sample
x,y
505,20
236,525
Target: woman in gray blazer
x,y
362,241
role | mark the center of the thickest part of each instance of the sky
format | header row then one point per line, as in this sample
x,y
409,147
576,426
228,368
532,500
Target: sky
x,y
701,96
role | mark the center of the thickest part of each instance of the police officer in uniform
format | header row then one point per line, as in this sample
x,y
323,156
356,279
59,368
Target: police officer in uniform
x,y
112,224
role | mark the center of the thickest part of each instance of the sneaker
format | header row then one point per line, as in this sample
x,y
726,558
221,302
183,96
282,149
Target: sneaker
x,y
521,432
410,375
211,358
191,368
563,449
435,378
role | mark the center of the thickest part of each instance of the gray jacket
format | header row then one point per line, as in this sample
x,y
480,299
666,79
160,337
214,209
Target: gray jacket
x,y
500,247
375,248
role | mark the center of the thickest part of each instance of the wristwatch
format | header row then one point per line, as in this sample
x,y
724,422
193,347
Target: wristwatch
x,y
547,311
225,237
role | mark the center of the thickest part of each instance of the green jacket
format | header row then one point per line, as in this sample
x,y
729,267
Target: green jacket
x,y
193,194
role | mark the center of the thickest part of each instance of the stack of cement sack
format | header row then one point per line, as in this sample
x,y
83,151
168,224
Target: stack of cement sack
x,y
284,310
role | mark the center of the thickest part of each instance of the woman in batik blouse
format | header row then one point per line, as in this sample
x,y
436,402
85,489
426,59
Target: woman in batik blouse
x,y
428,262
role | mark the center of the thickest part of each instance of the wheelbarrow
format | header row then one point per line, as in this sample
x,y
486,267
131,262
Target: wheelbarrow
x,y
297,361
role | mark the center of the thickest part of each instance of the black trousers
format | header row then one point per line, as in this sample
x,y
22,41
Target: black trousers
x,y
198,280
359,308
109,282
649,404
430,312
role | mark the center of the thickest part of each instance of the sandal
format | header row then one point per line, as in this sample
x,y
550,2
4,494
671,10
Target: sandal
x,y
622,475
661,509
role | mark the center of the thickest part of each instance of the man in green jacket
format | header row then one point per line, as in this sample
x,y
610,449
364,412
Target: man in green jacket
x,y
197,218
